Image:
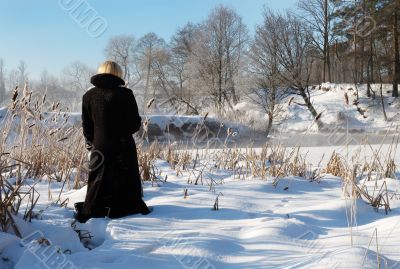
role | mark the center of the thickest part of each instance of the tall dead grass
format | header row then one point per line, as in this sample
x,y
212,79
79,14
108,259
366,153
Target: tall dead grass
x,y
40,137
38,140
364,168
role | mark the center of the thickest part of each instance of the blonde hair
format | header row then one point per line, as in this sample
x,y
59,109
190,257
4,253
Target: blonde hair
x,y
110,67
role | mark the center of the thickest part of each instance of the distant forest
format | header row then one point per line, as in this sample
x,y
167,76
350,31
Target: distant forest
x,y
217,62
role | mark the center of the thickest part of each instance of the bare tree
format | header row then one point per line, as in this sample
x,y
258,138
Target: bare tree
x,y
161,75
121,50
51,86
74,82
182,47
12,78
44,80
268,94
370,9
2,82
76,77
293,53
318,15
219,59
22,73
148,48
381,84
396,54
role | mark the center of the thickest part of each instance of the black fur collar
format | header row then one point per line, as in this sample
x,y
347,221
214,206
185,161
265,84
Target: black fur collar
x,y
106,81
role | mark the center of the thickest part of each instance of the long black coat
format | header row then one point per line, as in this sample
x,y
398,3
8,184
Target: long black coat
x,y
109,118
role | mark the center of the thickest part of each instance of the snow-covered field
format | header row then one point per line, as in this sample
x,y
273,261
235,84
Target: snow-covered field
x,y
297,224
329,99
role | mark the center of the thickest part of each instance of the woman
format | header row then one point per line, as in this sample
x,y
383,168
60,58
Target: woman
x,y
109,117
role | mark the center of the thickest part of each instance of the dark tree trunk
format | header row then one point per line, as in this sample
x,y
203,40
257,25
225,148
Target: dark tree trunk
x,y
327,64
370,69
271,112
220,84
270,122
310,107
146,94
362,47
355,40
396,60
370,66
383,103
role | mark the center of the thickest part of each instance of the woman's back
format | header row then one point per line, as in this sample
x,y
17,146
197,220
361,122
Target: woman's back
x,y
109,118
111,112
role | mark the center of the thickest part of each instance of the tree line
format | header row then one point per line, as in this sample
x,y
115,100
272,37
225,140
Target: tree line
x,y
217,62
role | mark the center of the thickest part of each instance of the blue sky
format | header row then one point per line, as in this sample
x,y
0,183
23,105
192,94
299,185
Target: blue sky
x,y
46,36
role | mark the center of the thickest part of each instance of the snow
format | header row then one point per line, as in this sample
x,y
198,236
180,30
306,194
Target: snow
x,y
329,99
297,224
249,121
